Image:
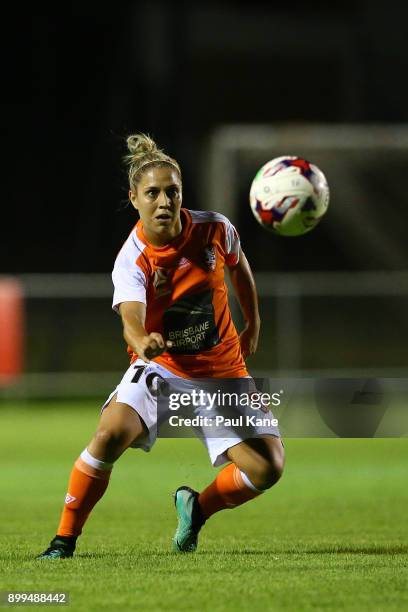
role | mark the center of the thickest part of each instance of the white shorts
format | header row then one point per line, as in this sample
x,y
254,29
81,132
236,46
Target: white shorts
x,y
137,389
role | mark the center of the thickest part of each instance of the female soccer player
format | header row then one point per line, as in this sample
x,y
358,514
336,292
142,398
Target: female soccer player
x,y
170,292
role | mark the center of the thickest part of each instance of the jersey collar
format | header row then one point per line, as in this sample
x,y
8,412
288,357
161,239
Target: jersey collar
x,y
168,254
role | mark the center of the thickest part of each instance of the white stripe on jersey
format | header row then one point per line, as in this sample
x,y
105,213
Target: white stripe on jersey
x,y
208,216
128,278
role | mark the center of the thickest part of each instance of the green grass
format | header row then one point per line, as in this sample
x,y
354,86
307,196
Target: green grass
x,y
332,535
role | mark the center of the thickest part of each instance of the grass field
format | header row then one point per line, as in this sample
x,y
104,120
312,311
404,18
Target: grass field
x,y
332,535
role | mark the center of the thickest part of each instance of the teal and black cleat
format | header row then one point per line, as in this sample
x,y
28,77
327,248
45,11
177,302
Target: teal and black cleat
x,y
190,520
60,547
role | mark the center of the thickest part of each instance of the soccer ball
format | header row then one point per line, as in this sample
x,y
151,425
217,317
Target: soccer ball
x,y
289,196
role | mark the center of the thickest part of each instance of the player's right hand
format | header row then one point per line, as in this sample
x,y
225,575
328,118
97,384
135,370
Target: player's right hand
x,y
152,346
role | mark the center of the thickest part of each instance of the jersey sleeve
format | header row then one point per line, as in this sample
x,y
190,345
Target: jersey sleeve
x,y
232,244
128,278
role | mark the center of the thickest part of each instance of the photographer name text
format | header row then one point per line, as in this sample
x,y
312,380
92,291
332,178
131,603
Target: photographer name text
x,y
221,421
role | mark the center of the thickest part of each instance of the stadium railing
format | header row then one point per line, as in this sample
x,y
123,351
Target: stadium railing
x,y
314,324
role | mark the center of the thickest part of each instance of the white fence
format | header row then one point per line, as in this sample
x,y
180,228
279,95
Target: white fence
x,y
281,343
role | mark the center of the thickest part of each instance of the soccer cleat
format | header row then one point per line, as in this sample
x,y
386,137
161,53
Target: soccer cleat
x,y
60,547
190,520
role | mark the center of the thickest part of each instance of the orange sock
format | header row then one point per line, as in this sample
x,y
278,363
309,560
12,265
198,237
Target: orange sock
x,y
86,486
231,488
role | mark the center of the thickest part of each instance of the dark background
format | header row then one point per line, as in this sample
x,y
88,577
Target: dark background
x,y
76,83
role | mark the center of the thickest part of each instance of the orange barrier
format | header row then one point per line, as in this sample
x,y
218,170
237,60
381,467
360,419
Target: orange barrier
x,y
11,329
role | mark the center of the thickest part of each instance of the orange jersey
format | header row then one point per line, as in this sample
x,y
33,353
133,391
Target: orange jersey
x,y
183,287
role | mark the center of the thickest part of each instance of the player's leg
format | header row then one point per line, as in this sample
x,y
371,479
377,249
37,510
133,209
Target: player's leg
x,y
119,427
261,459
256,465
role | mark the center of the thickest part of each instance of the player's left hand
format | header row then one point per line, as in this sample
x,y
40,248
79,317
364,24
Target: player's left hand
x,y
249,340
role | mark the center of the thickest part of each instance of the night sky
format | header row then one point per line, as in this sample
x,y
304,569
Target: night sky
x,y
76,83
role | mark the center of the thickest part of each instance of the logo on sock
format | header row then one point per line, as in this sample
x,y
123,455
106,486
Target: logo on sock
x,y
69,498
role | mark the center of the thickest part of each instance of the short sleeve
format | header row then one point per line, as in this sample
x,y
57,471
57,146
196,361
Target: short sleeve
x,y
128,278
232,244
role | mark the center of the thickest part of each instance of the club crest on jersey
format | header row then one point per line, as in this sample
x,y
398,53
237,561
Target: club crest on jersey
x,y
161,282
210,259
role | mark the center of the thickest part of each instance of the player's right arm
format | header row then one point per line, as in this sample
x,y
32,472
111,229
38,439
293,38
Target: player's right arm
x,y
147,346
129,300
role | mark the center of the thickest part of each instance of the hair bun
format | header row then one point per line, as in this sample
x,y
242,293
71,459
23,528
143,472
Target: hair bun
x,y
143,151
141,144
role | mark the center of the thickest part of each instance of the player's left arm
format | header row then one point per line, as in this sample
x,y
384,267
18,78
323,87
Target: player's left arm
x,y
243,282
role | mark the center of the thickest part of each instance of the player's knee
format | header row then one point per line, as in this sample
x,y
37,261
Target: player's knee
x,y
270,474
109,437
266,473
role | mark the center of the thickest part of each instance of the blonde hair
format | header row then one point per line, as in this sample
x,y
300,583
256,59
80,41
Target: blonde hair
x,y
143,152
